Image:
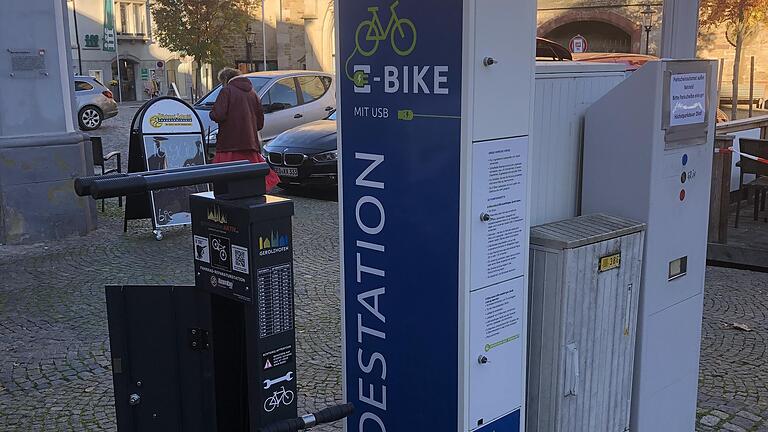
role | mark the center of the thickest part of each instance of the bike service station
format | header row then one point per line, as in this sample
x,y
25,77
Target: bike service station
x,y
457,316
502,270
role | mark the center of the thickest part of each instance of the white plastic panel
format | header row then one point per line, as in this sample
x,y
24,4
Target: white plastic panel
x,y
564,91
496,332
674,379
500,87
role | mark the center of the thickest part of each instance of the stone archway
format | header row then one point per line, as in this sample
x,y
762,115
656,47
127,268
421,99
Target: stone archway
x,y
605,31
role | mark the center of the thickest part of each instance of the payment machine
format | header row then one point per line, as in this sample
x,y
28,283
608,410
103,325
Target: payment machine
x,y
648,156
434,117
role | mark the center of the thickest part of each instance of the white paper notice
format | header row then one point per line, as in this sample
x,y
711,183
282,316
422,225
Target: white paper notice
x,y
499,211
497,333
687,99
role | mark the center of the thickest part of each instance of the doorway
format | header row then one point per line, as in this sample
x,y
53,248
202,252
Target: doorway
x,y
127,78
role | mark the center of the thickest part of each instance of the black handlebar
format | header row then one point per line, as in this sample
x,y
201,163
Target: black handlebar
x,y
115,185
83,184
326,415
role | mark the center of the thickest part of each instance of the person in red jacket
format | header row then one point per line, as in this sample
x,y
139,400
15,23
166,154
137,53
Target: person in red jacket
x,y
240,116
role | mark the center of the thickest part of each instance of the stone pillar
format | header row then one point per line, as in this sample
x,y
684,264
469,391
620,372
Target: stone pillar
x,y
680,29
41,150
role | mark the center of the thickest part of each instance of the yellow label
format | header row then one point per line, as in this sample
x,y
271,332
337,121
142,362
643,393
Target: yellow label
x,y
610,262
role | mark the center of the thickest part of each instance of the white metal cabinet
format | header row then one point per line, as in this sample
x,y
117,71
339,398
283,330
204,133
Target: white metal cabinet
x,y
582,321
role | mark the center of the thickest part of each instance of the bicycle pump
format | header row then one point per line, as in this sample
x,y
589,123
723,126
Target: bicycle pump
x,y
219,356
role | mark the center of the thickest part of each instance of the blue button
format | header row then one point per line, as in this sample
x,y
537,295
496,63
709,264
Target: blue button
x,y
685,159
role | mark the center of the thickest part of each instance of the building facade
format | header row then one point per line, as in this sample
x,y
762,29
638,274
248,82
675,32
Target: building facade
x,y
606,25
297,34
145,68
618,26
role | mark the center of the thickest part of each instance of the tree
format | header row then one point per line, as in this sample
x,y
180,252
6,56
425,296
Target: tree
x,y
741,19
199,27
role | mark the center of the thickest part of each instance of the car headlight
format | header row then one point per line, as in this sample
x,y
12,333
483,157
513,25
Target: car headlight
x,y
212,137
328,156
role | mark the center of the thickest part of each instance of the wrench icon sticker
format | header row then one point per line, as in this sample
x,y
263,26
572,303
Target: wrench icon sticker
x,y
269,383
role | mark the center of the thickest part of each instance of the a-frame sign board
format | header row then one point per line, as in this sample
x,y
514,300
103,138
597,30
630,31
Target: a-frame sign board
x,y
165,133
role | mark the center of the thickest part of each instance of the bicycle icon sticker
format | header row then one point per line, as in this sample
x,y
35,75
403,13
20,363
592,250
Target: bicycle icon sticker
x,y
280,397
370,33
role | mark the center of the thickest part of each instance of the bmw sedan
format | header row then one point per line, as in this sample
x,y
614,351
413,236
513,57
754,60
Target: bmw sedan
x,y
305,155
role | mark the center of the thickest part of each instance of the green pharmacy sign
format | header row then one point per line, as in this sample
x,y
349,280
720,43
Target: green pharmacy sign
x,y
110,38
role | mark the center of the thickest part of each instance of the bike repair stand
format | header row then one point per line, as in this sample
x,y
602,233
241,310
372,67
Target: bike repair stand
x,y
244,256
219,356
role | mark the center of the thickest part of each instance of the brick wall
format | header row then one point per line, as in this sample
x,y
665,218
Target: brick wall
x,y
714,45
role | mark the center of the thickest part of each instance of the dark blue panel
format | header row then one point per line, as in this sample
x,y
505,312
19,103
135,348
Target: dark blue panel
x,y
508,423
418,135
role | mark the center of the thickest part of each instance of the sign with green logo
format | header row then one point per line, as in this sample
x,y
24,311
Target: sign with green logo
x,y
110,38
91,41
144,74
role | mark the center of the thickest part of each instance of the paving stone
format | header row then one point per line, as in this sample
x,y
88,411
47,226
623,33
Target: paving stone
x,y
733,428
749,415
710,420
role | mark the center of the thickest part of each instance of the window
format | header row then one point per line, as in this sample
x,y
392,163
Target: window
x,y
139,11
131,18
96,74
123,19
312,88
82,86
282,95
327,82
210,98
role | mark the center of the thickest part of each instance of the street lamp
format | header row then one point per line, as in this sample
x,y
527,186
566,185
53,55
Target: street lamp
x,y
250,39
647,24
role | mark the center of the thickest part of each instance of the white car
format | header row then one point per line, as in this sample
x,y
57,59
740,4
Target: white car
x,y
290,99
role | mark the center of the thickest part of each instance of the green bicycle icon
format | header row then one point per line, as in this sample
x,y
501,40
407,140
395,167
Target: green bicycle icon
x,y
402,33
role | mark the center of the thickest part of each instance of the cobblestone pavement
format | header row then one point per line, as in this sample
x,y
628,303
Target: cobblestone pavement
x,y
733,381
55,373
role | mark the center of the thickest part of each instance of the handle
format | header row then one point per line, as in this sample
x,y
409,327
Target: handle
x,y
334,413
490,61
298,116
291,425
326,415
330,108
83,184
571,370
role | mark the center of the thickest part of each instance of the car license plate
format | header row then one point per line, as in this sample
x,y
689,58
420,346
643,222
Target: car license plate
x,y
287,172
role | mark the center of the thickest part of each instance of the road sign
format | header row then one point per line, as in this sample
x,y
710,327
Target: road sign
x,y
578,44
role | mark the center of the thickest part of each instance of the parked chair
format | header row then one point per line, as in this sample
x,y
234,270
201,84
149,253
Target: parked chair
x,y
759,148
99,160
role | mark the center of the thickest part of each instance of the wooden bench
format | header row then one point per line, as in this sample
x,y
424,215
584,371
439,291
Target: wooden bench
x,y
758,95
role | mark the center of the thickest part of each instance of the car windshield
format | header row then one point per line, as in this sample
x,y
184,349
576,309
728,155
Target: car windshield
x,y
210,98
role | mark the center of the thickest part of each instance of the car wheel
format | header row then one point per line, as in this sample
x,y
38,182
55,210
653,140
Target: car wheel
x,y
89,118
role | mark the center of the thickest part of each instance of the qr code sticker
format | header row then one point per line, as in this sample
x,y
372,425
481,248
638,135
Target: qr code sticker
x,y
240,259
